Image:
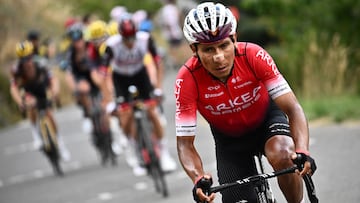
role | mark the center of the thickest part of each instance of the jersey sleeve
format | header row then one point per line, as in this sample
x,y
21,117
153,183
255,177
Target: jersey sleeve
x,y
265,70
186,97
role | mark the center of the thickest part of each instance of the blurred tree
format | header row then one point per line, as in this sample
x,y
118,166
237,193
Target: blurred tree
x,y
103,8
303,25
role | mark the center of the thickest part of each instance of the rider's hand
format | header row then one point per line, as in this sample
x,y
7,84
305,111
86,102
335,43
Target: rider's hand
x,y
29,101
21,107
158,93
305,162
200,187
56,99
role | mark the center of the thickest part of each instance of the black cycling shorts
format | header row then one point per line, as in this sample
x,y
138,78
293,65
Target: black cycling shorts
x,y
235,154
122,82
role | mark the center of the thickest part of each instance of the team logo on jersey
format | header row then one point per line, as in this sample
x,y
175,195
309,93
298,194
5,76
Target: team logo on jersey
x,y
211,88
236,104
214,33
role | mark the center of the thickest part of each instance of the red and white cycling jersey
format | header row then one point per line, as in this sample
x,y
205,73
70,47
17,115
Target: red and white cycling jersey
x,y
234,107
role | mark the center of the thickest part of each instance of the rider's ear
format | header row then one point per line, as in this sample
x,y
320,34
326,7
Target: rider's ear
x,y
194,49
233,38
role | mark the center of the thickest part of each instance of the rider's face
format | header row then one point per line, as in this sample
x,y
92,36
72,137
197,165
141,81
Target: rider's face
x,y
217,58
29,68
129,41
79,44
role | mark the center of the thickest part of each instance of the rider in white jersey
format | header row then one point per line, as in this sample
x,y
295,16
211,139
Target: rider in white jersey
x,y
128,56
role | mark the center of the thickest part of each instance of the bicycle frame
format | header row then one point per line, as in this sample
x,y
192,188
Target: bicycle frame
x,y
264,192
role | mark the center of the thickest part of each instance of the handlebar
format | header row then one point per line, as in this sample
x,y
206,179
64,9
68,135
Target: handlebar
x,y
253,179
310,187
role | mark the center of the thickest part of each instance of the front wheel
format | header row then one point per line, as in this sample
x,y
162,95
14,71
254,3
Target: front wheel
x,y
52,154
159,177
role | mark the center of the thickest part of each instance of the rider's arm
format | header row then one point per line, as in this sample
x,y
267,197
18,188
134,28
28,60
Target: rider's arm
x,y
157,59
186,118
54,86
70,81
16,94
189,157
100,69
297,120
151,69
280,91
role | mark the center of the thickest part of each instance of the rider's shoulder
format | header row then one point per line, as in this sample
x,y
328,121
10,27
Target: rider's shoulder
x,y
113,40
142,35
40,62
192,64
245,48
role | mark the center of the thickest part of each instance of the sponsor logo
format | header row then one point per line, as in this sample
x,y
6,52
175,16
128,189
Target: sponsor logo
x,y
267,58
236,104
211,88
178,83
213,95
235,80
243,85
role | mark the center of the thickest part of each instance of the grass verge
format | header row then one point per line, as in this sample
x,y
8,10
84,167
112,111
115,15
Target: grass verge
x,y
339,109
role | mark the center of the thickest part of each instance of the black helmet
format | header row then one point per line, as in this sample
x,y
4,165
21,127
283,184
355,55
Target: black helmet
x,y
33,35
75,34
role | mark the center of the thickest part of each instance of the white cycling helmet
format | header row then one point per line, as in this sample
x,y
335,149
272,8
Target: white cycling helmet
x,y
117,13
208,23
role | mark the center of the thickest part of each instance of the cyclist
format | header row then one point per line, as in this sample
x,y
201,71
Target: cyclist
x,y
248,104
97,35
36,81
132,64
99,77
80,74
169,20
33,36
145,28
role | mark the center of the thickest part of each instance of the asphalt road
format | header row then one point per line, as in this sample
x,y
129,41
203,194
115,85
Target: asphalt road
x,y
26,176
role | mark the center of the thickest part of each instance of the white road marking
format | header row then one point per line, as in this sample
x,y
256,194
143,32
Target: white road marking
x,y
17,149
105,196
38,174
17,179
29,147
141,186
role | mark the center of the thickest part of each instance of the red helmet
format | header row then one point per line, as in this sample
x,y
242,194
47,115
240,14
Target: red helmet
x,y
127,28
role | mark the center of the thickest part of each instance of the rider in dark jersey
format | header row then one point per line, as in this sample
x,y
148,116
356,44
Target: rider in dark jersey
x,y
248,104
79,70
31,82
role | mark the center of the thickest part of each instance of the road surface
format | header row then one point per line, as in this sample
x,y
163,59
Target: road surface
x,y
25,175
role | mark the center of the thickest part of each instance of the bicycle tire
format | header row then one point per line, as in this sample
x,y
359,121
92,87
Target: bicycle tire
x,y
102,134
153,165
52,150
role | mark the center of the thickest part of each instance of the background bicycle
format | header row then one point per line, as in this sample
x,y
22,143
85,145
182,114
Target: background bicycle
x,y
48,134
102,136
147,148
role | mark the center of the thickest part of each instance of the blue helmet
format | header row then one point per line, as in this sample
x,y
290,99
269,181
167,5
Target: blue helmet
x,y
146,25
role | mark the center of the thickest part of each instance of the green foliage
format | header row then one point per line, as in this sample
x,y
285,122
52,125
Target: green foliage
x,y
337,108
307,31
8,109
103,8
